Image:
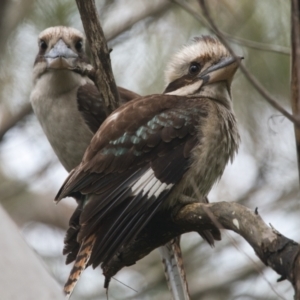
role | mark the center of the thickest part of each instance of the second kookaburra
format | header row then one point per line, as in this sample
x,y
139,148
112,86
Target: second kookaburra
x,y
151,153
67,103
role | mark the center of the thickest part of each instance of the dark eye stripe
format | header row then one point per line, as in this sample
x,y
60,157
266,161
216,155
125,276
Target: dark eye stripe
x,y
178,83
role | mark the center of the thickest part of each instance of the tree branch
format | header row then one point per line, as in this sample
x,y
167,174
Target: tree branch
x,y
10,122
11,14
104,78
149,8
237,40
24,206
273,249
257,45
295,65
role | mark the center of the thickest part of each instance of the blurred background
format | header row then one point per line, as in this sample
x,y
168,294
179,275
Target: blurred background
x,y
143,35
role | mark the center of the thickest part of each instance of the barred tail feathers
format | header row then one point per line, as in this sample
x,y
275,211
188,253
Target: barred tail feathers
x,y
80,264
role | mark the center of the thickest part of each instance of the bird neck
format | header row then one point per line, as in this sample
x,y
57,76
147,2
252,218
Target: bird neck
x,y
57,82
219,91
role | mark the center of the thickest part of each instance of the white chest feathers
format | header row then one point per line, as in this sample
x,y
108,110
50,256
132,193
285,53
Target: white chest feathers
x,y
54,101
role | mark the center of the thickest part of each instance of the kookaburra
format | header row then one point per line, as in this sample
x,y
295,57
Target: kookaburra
x,y
67,103
151,152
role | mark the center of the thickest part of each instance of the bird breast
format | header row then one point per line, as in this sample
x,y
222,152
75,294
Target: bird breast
x,y
218,141
57,112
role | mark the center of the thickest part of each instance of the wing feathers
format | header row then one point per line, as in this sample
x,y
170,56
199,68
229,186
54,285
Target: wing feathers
x,y
125,215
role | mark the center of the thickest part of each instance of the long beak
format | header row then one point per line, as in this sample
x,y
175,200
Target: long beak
x,y
61,56
222,71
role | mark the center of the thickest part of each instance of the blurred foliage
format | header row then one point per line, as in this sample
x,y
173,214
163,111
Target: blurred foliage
x,y
263,175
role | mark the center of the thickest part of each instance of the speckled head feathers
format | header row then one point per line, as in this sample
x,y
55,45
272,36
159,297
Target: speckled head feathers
x,y
204,49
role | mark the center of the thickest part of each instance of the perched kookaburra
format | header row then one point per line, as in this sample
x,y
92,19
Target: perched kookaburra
x,y
65,101
150,153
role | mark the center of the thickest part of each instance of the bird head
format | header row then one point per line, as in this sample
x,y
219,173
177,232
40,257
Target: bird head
x,y
60,48
203,68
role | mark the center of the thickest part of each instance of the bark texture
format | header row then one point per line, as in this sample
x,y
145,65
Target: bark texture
x,y
104,78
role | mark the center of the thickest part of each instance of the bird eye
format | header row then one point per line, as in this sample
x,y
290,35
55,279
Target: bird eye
x,y
43,45
78,45
194,68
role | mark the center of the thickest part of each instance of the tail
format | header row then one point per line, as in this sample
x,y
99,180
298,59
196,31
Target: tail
x,y
80,264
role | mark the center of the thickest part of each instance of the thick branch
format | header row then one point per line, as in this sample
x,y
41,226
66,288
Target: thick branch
x,y
274,249
24,206
104,78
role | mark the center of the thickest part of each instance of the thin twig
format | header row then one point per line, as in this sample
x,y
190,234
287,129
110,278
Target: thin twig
x,y
237,40
255,83
257,45
125,24
295,64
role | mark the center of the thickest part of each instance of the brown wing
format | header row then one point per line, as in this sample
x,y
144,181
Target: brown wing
x,y
126,95
140,152
92,107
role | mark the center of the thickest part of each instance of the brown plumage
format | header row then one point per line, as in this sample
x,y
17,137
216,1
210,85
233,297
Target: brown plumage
x,y
146,155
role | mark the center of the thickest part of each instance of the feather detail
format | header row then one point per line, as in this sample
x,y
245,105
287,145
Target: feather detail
x,y
80,264
91,106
